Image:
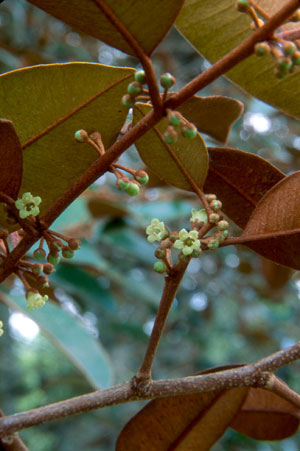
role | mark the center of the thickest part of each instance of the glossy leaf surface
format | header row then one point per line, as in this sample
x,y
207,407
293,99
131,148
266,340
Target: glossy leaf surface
x,y
215,27
11,163
172,162
56,101
67,334
278,215
239,179
147,22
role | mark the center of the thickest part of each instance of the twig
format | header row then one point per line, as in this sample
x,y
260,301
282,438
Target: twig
x,y
248,375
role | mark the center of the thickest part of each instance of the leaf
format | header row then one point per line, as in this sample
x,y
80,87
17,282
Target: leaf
x,y
67,334
266,416
10,159
47,104
213,115
172,162
181,423
215,27
99,207
278,215
147,22
239,179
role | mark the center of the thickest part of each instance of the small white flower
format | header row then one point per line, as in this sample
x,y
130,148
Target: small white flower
x,y
28,205
156,231
1,328
35,300
187,242
199,216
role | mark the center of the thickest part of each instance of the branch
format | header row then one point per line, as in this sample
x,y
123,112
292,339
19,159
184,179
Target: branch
x,y
248,375
102,165
139,52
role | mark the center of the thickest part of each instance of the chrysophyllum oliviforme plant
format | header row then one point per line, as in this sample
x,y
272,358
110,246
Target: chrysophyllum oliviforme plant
x,y
61,131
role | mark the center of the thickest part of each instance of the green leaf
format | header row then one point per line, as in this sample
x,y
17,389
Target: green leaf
x,y
147,21
11,163
273,229
65,331
213,115
47,104
173,163
215,27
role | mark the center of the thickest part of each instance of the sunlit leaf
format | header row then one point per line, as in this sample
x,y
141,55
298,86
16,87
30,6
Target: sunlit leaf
x,y
171,162
10,159
213,115
266,416
239,179
278,215
148,22
215,27
182,423
47,104
67,333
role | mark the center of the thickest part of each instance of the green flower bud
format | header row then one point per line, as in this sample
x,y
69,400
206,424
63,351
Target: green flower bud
x,y
81,136
223,225
213,218
37,269
284,64
214,245
74,244
128,101
167,80
174,118
67,252
242,6
133,189
134,88
189,131
48,268
160,253
196,253
262,49
170,135
225,234
215,205
140,76
160,267
39,254
289,48
296,58
53,259
142,177
122,184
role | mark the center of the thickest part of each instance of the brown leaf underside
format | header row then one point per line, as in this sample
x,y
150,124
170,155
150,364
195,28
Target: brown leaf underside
x,y
11,162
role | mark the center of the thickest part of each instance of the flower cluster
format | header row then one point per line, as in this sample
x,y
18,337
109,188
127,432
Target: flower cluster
x,y
156,231
188,242
35,300
28,205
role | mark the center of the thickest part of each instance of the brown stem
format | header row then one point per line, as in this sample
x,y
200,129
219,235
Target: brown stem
x,y
12,442
101,165
248,375
260,10
234,57
172,283
277,386
139,53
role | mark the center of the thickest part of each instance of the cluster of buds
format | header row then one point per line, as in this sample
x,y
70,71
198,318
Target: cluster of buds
x,y
286,53
177,122
130,186
134,89
190,243
57,243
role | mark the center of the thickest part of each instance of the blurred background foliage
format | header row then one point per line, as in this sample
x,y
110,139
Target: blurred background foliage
x,y
232,306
